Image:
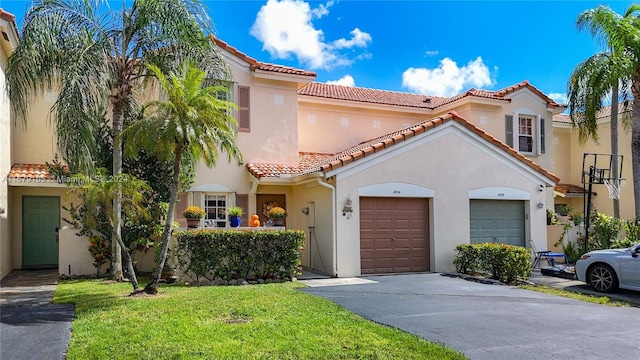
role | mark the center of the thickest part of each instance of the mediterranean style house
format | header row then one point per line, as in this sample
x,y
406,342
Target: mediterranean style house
x,y
380,181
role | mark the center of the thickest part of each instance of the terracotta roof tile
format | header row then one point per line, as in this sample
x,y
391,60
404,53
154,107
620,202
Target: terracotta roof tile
x,y
258,65
376,96
570,189
605,112
313,162
30,172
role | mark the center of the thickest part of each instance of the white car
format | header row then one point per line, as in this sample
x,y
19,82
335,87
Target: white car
x,y
608,270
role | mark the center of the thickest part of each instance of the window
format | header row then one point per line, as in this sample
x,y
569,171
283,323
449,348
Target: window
x,y
525,133
215,207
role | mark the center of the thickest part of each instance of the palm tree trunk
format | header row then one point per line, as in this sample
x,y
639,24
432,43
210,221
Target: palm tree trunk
x,y
614,143
152,286
116,238
120,247
635,142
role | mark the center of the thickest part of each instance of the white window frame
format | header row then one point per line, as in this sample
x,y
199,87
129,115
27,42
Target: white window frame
x,y
221,212
536,135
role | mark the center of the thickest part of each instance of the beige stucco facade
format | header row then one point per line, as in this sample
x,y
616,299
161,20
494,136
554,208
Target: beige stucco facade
x,y
450,166
8,26
569,155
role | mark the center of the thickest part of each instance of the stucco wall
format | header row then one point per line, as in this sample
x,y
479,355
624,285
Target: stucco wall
x,y
343,126
6,263
567,139
451,167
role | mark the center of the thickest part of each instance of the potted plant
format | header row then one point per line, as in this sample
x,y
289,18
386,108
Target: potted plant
x,y
235,213
577,218
277,215
193,214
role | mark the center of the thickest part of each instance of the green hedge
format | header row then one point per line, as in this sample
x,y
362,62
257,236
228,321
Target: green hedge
x,y
506,263
233,254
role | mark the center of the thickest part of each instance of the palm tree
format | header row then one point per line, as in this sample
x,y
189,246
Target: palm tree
x,y
621,34
192,122
97,194
589,85
93,56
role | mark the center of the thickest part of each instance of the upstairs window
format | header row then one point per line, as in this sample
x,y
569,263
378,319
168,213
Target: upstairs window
x,y
525,133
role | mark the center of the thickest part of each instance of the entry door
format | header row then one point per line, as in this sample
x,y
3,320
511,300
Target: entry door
x,y
40,220
498,221
264,201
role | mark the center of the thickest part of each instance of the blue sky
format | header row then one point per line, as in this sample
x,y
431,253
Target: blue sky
x,y
430,47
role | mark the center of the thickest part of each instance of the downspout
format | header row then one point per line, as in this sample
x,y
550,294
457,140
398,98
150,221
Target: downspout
x,y
335,225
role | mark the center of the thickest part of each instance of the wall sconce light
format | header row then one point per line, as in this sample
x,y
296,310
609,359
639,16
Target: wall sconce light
x,y
347,210
540,204
305,210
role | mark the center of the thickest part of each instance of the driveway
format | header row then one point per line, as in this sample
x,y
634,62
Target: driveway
x,y
31,327
492,321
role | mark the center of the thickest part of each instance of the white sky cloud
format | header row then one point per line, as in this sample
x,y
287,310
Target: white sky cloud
x,y
447,79
559,97
285,29
346,80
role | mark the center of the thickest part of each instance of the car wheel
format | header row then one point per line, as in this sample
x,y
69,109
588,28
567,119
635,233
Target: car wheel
x,y
602,278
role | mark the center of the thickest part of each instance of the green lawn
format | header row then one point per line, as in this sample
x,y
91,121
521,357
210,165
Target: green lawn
x,y
273,321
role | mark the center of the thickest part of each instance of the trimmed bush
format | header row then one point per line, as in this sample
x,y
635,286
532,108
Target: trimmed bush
x,y
506,263
233,254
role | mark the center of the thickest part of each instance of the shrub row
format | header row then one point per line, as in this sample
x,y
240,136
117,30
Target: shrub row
x,y
506,263
232,254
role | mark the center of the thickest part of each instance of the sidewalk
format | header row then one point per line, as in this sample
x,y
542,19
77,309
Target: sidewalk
x,y
537,278
31,326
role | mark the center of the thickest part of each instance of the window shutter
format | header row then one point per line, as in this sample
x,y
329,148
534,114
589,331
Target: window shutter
x,y
244,123
242,200
508,125
542,141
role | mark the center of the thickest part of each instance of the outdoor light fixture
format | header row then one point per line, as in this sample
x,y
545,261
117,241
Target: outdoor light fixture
x,y
347,210
540,204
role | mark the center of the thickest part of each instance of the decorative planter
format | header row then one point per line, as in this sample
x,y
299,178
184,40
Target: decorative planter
x,y
193,223
234,221
278,221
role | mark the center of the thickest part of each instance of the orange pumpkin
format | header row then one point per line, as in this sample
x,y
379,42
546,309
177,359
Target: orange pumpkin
x,y
255,221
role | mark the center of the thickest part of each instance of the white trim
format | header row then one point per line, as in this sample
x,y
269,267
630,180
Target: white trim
x,y
395,189
450,127
499,193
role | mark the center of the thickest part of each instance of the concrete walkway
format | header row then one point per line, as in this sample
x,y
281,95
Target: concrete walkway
x,y
31,326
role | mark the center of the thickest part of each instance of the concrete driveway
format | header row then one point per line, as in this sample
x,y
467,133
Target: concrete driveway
x,y
492,321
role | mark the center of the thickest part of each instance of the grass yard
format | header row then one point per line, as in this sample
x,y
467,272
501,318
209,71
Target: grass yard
x,y
603,300
273,321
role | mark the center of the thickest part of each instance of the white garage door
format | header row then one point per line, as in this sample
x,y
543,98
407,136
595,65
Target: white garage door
x,y
499,221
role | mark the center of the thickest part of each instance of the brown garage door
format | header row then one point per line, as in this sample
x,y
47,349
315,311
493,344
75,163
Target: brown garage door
x,y
394,235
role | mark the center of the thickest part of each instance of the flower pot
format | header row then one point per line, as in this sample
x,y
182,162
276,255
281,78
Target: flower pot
x,y
278,221
193,223
234,221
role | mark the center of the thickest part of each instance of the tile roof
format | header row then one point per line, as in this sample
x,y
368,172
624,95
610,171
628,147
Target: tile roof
x,y
386,97
374,96
22,172
7,16
570,189
605,112
258,65
313,162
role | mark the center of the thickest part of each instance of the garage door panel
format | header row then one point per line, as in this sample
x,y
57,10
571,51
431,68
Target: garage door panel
x,y
500,221
393,235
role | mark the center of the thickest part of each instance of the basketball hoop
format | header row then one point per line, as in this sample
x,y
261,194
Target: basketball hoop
x,y
614,186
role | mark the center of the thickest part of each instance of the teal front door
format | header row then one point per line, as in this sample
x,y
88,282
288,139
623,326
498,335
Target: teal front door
x,y
40,222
